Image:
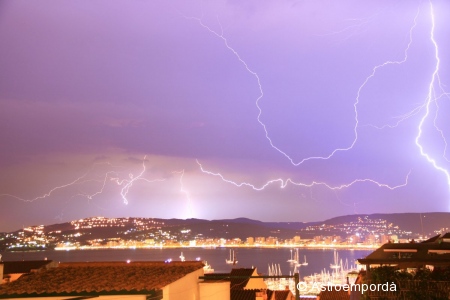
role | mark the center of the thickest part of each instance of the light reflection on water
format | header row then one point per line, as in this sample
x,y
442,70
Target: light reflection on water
x,y
318,259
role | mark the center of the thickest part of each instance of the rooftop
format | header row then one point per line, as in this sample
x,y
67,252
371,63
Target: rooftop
x,y
435,251
278,295
21,267
94,278
251,294
238,277
333,295
240,283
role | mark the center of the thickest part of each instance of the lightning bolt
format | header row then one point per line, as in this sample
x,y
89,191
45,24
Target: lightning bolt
x,y
283,182
400,118
78,180
357,24
109,176
261,93
129,183
104,181
133,179
431,98
441,132
186,193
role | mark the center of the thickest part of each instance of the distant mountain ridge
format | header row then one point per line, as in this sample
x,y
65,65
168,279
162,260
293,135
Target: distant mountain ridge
x,y
103,231
421,223
414,222
284,225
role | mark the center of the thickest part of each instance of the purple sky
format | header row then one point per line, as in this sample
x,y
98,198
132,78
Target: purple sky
x,y
332,92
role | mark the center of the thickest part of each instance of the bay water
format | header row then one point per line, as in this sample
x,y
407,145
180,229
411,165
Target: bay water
x,y
261,258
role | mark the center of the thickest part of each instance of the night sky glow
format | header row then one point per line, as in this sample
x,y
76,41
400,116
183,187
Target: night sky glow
x,y
273,110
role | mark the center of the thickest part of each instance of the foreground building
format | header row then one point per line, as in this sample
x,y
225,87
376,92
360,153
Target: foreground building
x,y
246,284
419,270
110,280
432,253
12,270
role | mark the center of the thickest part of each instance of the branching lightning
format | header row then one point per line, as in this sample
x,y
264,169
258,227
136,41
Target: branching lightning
x,y
358,23
431,98
441,132
374,70
129,182
77,181
110,176
435,93
284,182
355,105
126,185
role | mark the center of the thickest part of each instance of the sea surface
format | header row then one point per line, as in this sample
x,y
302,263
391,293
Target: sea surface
x,y
261,258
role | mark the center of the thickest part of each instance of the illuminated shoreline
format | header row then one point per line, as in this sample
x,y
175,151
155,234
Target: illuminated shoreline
x,y
344,247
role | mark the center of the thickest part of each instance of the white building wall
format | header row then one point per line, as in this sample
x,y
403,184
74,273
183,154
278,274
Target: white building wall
x,y
14,276
214,290
255,283
185,288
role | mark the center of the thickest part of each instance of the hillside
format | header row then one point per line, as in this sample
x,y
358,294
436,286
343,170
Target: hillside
x,y
101,231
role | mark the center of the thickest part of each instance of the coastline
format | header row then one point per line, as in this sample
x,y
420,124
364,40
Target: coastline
x,y
314,246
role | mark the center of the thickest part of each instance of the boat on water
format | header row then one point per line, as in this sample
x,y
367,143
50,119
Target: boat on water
x,y
182,258
232,260
305,263
207,269
336,264
292,259
297,260
339,274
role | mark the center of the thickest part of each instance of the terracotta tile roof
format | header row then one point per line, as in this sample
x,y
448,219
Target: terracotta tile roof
x,y
15,267
433,239
240,283
282,295
251,294
100,278
446,236
334,295
432,252
243,294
